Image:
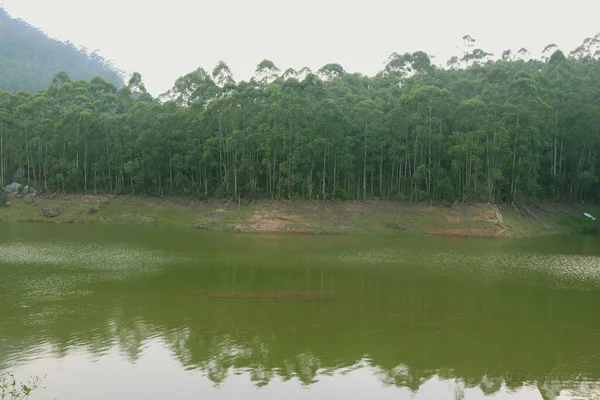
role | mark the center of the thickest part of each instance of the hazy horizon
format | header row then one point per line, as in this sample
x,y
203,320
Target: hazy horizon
x,y
164,43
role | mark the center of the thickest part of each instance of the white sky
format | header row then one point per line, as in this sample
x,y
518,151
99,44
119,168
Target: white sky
x,y
166,39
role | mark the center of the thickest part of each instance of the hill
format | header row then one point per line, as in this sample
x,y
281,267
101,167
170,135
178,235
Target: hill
x,y
29,59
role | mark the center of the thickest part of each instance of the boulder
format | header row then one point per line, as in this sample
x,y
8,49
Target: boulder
x,y
50,212
31,193
90,211
13,188
7,204
209,225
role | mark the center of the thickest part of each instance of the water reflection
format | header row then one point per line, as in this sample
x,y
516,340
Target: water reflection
x,y
319,325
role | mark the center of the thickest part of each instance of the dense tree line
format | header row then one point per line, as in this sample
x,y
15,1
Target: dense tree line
x,y
479,129
29,59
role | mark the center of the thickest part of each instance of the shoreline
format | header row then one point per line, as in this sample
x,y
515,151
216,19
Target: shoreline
x,y
310,217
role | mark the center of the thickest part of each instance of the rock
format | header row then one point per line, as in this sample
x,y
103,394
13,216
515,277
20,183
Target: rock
x,y
90,211
395,226
149,220
31,193
13,188
238,228
50,212
209,225
7,204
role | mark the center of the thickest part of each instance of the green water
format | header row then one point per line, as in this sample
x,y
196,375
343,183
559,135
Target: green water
x,y
147,313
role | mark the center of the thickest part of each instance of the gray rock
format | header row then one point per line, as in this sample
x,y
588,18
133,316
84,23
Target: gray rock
x,y
7,204
31,193
206,226
90,211
13,188
50,212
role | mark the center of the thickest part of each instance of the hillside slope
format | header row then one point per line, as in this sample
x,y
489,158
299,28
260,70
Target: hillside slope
x,y
29,59
479,220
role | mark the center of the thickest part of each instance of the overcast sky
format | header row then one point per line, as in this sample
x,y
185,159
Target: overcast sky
x,y
166,39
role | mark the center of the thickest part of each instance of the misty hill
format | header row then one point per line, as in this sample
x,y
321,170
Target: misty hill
x,y
29,59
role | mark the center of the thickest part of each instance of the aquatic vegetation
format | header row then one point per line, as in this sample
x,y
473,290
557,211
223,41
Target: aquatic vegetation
x,y
10,389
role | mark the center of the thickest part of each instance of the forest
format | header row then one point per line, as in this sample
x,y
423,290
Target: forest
x,y
29,59
481,128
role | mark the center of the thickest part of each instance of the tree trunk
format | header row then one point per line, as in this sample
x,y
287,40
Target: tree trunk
x,y
324,171
235,181
372,173
1,155
46,169
335,180
365,165
381,172
170,169
27,155
85,166
429,158
513,188
110,188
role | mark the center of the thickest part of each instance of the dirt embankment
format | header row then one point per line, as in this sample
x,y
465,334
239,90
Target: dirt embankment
x,y
274,221
297,217
481,220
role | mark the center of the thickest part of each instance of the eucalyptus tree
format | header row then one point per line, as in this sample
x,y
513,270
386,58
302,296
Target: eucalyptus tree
x,y
266,72
482,129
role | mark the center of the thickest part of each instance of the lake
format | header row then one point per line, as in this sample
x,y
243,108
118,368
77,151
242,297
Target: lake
x,y
155,313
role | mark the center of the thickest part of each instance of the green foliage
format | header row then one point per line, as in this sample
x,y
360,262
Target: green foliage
x,y
29,59
11,390
482,130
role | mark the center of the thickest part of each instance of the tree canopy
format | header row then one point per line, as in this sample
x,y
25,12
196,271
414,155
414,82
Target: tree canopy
x,y
481,129
29,59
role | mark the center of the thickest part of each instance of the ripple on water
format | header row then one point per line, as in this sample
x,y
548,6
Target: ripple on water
x,y
70,265
558,270
96,256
